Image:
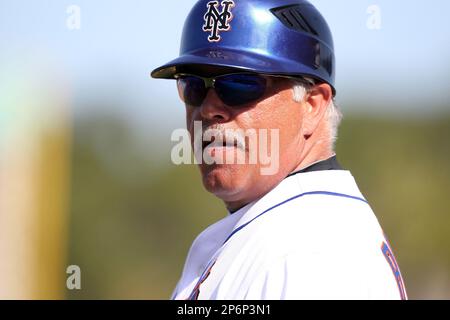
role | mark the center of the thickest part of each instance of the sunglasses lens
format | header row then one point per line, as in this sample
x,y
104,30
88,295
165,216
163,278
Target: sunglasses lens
x,y
240,89
234,89
192,90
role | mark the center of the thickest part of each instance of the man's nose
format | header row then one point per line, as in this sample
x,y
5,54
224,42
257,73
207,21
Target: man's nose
x,y
213,108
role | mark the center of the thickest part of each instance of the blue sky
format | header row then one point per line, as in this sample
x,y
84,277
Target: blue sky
x,y
403,67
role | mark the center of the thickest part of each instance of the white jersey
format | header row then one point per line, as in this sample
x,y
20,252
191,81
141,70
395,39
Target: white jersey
x,y
314,236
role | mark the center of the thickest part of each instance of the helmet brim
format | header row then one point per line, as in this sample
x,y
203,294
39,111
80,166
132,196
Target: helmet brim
x,y
211,63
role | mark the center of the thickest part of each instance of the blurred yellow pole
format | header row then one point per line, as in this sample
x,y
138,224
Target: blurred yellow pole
x,y
34,185
52,185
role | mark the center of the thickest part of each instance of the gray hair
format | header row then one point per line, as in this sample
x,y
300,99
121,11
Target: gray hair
x,y
333,114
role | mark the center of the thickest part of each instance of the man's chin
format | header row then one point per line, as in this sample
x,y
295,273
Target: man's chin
x,y
223,181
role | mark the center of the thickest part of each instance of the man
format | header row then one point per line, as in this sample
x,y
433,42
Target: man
x,y
303,231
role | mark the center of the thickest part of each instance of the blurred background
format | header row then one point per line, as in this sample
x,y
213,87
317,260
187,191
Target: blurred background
x,y
85,172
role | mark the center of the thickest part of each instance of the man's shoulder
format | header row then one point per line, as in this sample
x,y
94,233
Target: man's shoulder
x,y
310,220
319,195
319,215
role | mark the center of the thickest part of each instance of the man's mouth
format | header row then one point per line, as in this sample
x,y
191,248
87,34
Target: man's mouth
x,y
220,143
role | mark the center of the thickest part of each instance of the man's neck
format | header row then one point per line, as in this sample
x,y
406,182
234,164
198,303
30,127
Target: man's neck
x,y
325,164
312,158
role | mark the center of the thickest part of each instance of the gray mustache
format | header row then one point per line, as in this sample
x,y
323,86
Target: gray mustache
x,y
228,137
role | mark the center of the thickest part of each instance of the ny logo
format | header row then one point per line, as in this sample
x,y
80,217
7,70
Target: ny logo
x,y
216,21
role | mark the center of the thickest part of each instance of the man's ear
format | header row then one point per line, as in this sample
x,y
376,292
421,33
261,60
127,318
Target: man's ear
x,y
317,101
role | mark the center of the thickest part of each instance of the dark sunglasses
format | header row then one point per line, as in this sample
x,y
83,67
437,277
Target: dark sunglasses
x,y
233,89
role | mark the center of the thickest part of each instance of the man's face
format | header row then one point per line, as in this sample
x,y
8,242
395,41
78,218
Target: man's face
x,y
237,184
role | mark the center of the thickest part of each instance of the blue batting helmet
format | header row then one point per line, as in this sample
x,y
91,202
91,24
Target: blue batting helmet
x,y
279,37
